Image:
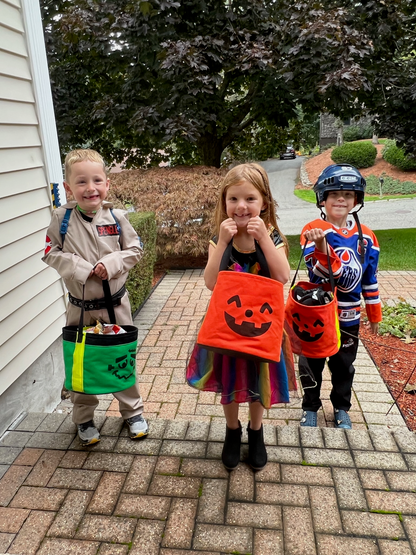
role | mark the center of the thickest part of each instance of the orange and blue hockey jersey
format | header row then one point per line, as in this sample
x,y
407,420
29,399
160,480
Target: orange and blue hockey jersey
x,y
352,277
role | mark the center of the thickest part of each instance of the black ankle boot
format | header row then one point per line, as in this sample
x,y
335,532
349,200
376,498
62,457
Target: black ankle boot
x,y
257,454
231,450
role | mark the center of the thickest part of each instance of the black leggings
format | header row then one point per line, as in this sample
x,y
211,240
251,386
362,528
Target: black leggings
x,y
342,373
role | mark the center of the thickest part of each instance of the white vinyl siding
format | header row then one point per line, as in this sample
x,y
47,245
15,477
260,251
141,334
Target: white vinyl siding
x,y
21,182
12,89
13,159
13,230
19,136
32,304
32,351
12,42
29,202
22,294
12,65
11,17
17,112
19,274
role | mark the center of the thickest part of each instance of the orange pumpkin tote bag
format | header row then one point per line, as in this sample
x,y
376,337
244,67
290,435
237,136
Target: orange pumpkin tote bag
x,y
311,316
245,315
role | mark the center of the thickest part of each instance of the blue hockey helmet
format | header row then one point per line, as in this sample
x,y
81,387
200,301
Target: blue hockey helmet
x,y
339,177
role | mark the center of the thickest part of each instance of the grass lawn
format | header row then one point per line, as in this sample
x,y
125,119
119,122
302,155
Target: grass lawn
x,y
309,196
381,141
305,194
397,249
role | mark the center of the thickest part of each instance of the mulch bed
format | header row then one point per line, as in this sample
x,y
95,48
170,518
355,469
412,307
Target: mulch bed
x,y
315,165
396,362
157,276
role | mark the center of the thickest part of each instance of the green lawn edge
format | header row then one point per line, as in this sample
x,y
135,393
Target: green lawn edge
x,y
397,250
309,196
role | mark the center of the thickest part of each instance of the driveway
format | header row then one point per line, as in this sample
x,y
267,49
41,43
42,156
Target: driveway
x,y
294,213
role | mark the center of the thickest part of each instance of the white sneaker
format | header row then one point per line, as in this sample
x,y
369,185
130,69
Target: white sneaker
x,y
88,433
137,426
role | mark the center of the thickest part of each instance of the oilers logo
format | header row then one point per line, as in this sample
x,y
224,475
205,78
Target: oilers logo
x,y
352,271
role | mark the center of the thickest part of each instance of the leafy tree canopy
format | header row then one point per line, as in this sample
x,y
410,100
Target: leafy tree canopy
x,y
145,79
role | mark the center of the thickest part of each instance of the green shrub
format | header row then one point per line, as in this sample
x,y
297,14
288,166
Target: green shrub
x,y
390,186
315,151
408,187
397,157
357,132
399,320
182,198
139,282
360,155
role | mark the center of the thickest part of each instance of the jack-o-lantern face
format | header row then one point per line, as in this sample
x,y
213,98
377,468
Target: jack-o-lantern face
x,y
309,333
247,328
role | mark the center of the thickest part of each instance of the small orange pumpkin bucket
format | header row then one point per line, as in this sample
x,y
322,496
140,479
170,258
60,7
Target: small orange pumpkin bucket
x,y
313,329
245,315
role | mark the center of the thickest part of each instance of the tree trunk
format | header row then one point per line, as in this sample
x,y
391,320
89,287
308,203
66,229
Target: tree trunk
x,y
210,149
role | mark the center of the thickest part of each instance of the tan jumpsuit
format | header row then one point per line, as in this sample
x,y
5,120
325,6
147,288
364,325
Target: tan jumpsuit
x,y
86,244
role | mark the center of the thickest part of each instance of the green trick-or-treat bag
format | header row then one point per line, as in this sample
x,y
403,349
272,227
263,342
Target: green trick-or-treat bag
x,y
99,363
96,364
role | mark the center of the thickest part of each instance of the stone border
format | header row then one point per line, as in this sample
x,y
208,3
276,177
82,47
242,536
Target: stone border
x,y
304,178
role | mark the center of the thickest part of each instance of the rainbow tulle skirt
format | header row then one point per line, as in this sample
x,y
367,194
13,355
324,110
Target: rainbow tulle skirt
x,y
242,380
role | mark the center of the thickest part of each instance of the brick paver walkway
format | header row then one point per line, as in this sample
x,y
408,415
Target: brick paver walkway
x,y
324,491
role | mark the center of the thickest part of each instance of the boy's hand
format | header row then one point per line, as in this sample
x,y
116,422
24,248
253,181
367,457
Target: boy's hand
x,y
257,228
100,271
228,229
374,327
316,236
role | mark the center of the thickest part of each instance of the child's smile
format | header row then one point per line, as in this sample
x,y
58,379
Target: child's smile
x,y
243,202
88,184
338,205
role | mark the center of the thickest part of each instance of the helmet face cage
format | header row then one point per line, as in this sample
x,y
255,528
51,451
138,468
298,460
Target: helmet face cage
x,y
339,177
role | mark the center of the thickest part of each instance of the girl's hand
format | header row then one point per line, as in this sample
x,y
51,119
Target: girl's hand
x,y
374,327
257,228
100,271
228,229
316,236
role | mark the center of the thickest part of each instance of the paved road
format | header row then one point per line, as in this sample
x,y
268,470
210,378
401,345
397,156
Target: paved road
x,y
294,213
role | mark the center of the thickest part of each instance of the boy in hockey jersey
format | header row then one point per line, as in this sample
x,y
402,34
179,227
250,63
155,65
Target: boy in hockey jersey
x,y
99,244
353,251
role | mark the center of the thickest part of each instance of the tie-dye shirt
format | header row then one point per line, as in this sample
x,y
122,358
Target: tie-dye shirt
x,y
246,261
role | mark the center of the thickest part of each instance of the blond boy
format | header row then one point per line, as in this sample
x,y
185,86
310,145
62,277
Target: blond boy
x,y
99,244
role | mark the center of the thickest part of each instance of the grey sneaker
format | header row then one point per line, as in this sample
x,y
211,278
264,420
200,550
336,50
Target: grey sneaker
x,y
88,433
137,426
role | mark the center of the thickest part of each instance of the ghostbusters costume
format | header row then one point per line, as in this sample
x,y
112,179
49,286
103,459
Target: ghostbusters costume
x,y
107,238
